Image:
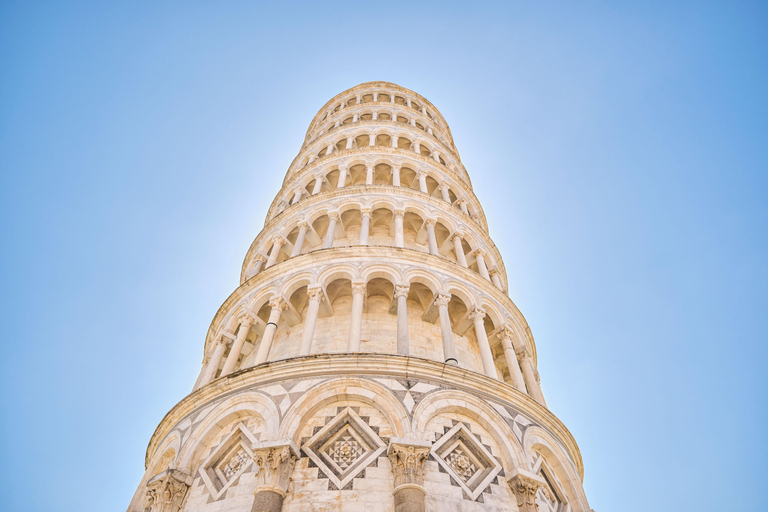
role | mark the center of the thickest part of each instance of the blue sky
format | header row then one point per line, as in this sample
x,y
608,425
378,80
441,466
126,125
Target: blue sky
x,y
618,148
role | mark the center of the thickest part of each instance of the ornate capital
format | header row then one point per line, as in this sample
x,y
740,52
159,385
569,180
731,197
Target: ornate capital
x,y
358,288
333,215
524,486
303,224
506,334
459,235
401,290
278,241
365,212
247,320
398,214
522,354
442,299
277,303
477,314
407,457
493,271
166,491
315,294
430,223
275,462
479,252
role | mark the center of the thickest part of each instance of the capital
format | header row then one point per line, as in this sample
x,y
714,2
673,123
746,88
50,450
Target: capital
x,y
524,486
457,234
478,314
358,288
442,299
493,271
430,222
365,212
479,252
277,303
399,214
315,294
333,215
522,354
247,319
275,462
407,457
401,290
278,241
303,224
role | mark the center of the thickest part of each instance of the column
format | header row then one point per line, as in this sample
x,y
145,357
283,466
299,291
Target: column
x,y
356,321
330,148
423,182
166,491
342,177
369,175
311,158
296,196
436,156
408,102
315,298
237,346
431,239
396,175
318,184
365,226
299,245
371,139
257,264
350,142
213,363
481,267
333,217
277,242
463,206
274,461
401,293
524,486
407,457
458,247
444,191
358,99
416,147
375,97
529,375
477,317
278,305
355,118
446,331
514,366
399,236
374,115
393,138
494,272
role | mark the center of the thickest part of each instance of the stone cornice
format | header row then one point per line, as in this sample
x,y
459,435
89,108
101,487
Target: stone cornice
x,y
368,364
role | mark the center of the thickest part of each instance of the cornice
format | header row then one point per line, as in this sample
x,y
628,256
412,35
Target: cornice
x,y
357,364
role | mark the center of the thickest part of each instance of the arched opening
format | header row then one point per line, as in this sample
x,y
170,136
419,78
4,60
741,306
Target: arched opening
x,y
401,119
403,143
381,231
382,174
424,150
408,178
331,180
379,334
347,120
367,98
366,117
383,116
414,232
356,175
351,221
362,141
384,97
432,186
400,100
383,140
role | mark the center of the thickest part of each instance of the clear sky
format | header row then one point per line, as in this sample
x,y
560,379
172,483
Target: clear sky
x,y
618,148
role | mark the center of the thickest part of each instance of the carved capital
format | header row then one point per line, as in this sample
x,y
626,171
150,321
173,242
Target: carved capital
x,y
277,303
365,212
478,314
506,335
278,241
315,294
333,215
399,214
459,235
275,462
358,288
430,223
524,486
442,299
303,224
247,320
166,491
407,457
401,290
522,354
479,252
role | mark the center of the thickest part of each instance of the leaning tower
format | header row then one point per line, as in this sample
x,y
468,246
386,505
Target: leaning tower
x,y
371,359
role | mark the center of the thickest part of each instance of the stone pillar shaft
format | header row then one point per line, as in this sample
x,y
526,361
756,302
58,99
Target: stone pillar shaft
x,y
331,233
213,363
399,236
315,297
401,292
237,346
269,331
299,245
356,320
365,226
431,239
482,340
446,331
459,249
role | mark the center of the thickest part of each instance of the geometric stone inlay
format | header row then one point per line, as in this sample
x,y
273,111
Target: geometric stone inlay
x,y
344,447
466,459
228,462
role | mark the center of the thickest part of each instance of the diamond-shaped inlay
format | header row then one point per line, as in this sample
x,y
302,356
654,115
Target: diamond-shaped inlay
x,y
465,458
344,447
229,461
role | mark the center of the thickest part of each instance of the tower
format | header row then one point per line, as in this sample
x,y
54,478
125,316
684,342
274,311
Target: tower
x,y
371,359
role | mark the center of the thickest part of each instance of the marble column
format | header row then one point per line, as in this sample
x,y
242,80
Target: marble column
x,y
277,242
481,266
274,461
393,138
278,305
296,196
524,486
369,175
257,264
463,206
407,457
494,273
401,293
237,346
365,226
416,147
350,142
214,361
310,319
458,247
446,331
515,374
486,355
431,238
333,217
318,184
436,156
444,189
529,375
371,139
396,175
399,235
342,177
356,319
423,182
299,245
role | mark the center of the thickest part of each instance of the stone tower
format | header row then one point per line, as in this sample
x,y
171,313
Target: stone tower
x,y
371,359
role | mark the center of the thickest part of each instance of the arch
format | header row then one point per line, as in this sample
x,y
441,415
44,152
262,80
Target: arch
x,y
354,389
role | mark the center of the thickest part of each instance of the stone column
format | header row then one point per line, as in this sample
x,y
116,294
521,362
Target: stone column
x,y
399,236
365,226
489,368
407,457
511,358
318,184
375,97
356,320
257,264
401,293
315,298
275,461
481,267
299,245
369,175
431,239
423,182
330,148
342,177
355,118
458,247
529,375
237,346
350,142
416,147
494,273
444,189
358,99
374,115
446,331
524,486
393,138
463,206
333,217
436,156
214,361
278,305
371,139
166,491
277,242
296,196
396,175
